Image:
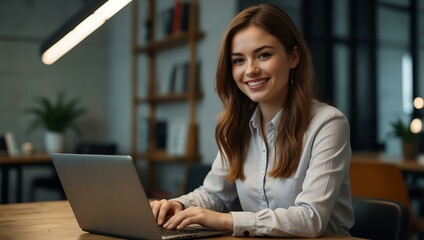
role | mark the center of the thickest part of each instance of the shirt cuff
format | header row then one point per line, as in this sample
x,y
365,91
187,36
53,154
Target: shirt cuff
x,y
244,224
183,201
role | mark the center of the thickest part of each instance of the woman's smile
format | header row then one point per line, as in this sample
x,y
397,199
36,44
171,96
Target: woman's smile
x,y
257,83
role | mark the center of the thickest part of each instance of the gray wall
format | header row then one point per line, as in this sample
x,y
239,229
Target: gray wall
x,y
98,72
81,73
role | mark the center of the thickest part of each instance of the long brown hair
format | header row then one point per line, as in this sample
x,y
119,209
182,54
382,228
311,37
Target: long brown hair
x,y
232,133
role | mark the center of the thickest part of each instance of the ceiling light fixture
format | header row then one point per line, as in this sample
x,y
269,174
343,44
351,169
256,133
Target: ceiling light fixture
x,y
78,28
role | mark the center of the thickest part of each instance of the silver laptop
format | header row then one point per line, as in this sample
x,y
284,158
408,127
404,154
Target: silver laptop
x,y
107,198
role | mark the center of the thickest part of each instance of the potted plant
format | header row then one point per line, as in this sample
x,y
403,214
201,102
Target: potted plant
x,y
56,118
409,139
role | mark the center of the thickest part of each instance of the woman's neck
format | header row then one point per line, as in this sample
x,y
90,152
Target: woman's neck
x,y
268,113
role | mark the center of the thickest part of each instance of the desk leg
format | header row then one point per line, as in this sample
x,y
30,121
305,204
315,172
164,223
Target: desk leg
x,y
19,184
5,184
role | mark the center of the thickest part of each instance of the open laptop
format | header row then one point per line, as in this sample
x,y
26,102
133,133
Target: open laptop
x,y
107,198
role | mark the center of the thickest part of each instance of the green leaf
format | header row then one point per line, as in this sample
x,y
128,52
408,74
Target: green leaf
x,y
402,131
57,116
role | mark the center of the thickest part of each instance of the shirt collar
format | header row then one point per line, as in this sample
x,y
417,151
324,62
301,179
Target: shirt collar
x,y
255,120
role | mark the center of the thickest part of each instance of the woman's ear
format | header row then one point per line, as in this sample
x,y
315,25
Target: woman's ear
x,y
294,57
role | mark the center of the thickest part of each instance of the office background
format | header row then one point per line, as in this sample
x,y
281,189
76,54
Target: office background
x,y
363,50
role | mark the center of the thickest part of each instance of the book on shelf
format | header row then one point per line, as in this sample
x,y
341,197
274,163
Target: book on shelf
x,y
198,74
175,19
164,86
161,134
184,84
8,145
167,17
179,77
148,34
177,16
177,138
185,17
3,147
144,135
172,78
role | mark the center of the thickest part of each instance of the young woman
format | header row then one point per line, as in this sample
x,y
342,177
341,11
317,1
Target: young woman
x,y
281,152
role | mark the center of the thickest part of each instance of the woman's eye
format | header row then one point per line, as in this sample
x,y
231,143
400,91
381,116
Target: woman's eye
x,y
237,61
264,56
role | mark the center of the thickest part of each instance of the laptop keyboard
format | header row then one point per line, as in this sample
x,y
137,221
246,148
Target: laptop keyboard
x,y
171,232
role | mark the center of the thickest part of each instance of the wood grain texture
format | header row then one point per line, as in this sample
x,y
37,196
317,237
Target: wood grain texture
x,y
55,220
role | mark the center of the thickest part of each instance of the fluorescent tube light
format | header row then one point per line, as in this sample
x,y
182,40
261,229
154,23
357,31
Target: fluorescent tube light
x,y
78,28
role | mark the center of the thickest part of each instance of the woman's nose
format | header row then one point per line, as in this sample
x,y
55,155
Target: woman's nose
x,y
252,69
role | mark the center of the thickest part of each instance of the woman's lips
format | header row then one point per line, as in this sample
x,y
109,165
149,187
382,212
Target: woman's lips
x,y
257,83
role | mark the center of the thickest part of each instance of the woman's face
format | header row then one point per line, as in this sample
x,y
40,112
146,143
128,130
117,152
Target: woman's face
x,y
261,66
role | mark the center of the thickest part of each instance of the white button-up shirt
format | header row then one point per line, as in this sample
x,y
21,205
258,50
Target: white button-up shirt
x,y
315,200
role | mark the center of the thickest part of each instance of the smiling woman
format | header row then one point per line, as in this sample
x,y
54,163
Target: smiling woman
x,y
282,153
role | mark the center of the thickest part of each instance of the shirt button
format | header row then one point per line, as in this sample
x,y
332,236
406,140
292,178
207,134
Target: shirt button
x,y
263,150
246,233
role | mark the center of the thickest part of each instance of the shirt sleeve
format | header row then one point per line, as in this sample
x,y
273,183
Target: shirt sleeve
x,y
328,169
215,193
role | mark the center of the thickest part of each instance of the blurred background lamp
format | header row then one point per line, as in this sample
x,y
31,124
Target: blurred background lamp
x,y
78,28
418,102
416,125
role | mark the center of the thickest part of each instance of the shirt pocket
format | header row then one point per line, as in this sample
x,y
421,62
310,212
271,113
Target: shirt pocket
x,y
285,190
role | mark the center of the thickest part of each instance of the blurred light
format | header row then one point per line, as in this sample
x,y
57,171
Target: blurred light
x,y
87,24
416,126
407,84
418,102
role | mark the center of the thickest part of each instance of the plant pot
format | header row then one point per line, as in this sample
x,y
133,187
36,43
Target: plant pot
x,y
410,150
54,142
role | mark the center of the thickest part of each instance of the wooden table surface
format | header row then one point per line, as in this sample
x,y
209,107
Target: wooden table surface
x,y
54,220
407,165
25,159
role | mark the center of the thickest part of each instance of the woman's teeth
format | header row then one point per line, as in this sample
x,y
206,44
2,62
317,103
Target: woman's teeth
x,y
256,83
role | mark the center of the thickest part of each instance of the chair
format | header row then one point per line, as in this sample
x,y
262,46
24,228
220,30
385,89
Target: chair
x,y
196,173
379,219
52,182
195,176
96,148
385,181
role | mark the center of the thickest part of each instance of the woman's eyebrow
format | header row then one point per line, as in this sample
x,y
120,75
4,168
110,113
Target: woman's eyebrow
x,y
254,51
236,54
262,48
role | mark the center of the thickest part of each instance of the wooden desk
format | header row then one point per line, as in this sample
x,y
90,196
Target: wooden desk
x,y
413,170
7,163
407,165
54,220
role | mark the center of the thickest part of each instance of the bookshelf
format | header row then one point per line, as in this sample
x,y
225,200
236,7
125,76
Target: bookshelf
x,y
153,99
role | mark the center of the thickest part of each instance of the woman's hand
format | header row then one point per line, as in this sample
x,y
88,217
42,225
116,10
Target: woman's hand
x,y
202,216
164,209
